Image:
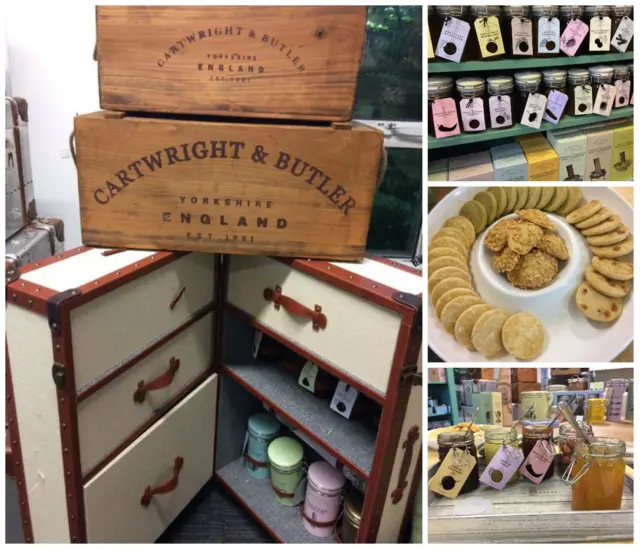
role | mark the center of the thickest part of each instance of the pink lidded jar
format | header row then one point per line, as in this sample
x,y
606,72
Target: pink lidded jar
x,y
323,499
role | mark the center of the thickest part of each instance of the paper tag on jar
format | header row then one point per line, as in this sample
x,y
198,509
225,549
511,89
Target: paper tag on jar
x,y
430,54
472,113
453,39
556,102
573,36
522,36
623,89
489,36
500,111
503,465
623,35
548,35
600,34
538,462
604,99
445,117
308,375
534,110
583,99
343,399
452,473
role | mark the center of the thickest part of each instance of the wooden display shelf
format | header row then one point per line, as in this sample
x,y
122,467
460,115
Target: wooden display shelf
x,y
445,67
519,129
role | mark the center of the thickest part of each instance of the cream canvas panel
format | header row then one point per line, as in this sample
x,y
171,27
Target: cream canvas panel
x,y
112,499
110,415
385,275
110,329
360,337
31,356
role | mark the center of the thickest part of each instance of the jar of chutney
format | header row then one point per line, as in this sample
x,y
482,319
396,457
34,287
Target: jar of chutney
x,y
568,17
463,441
555,80
599,21
534,431
527,82
546,31
487,32
567,441
517,31
599,75
445,111
622,27
452,35
622,82
579,91
500,103
474,115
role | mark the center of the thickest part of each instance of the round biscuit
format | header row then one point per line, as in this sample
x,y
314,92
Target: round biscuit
x,y
451,243
441,251
490,204
608,287
606,226
453,233
533,197
574,196
460,222
448,284
615,250
486,332
444,273
613,237
523,195
601,215
464,324
613,269
597,306
450,295
523,336
501,198
584,212
476,214
545,197
560,195
455,308
446,261
512,198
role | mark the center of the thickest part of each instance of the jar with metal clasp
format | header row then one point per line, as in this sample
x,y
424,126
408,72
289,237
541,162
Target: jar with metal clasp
x,y
599,20
465,442
351,517
517,31
567,441
286,468
474,115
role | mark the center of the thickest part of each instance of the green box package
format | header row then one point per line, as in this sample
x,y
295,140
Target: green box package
x,y
490,405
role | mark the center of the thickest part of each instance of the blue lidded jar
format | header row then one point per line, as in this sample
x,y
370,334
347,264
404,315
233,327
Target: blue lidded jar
x,y
262,429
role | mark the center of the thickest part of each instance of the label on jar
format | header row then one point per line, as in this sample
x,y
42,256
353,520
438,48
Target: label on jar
x,y
430,54
599,34
502,466
556,102
308,375
500,111
489,36
522,36
623,90
534,110
445,117
538,462
472,112
573,36
604,99
453,39
452,473
548,35
583,100
623,35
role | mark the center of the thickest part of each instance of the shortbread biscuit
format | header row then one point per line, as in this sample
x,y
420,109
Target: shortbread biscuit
x,y
448,284
505,261
523,195
439,242
486,335
460,222
574,197
610,224
545,197
512,198
614,250
490,205
613,237
608,287
466,321
501,198
584,212
597,306
444,273
601,215
496,238
446,261
613,269
560,195
454,309
523,336
535,270
537,217
554,245
440,251
455,234
476,214
450,295
533,197
523,237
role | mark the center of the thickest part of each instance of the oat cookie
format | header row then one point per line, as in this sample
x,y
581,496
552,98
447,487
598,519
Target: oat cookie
x,y
454,309
460,222
574,196
614,250
453,233
446,261
533,197
512,197
448,284
606,226
584,212
535,270
523,195
554,245
596,306
545,197
496,237
523,336
601,215
450,295
439,242
501,198
464,325
560,195
523,237
537,217
486,335
444,273
615,236
613,269
608,287
490,205
441,251
506,261
476,214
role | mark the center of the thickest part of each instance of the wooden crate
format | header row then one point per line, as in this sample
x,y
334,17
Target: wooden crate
x,y
297,62
239,188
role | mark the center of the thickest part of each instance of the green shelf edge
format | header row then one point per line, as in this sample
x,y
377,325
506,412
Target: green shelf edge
x,y
520,130
445,67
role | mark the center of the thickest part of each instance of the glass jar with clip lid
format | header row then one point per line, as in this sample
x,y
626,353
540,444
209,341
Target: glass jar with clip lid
x,y
452,34
494,438
622,82
599,21
546,31
569,16
500,104
622,27
465,442
579,91
474,114
527,82
534,431
442,112
567,441
599,75
487,32
517,31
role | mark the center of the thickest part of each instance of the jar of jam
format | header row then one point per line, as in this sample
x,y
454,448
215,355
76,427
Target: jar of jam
x,y
579,91
465,442
444,114
474,115
546,31
567,15
598,475
567,441
555,80
534,431
599,75
500,103
517,31
495,438
527,82
622,82
599,21
487,33
449,22
621,25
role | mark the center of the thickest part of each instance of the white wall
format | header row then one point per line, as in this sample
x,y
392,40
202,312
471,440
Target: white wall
x,y
50,48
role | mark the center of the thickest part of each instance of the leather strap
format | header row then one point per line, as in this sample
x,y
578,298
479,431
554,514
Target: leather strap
x,y
167,487
314,522
255,462
294,308
160,382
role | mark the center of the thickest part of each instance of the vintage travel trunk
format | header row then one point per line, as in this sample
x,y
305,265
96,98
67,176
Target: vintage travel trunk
x,y
130,380
297,62
240,188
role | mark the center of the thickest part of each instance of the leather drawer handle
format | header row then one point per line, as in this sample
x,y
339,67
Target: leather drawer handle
x,y
315,315
167,487
158,383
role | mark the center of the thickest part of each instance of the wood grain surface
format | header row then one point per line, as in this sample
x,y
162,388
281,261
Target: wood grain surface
x,y
297,62
239,188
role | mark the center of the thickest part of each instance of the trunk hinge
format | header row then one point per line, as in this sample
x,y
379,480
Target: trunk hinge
x,y
58,375
415,303
54,314
410,375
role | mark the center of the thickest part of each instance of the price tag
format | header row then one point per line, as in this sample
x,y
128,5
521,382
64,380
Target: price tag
x,y
472,112
623,89
308,375
445,117
453,39
522,36
548,35
452,473
534,110
573,35
583,99
604,99
500,111
623,35
600,34
489,36
257,340
538,462
344,399
503,465
430,54
556,102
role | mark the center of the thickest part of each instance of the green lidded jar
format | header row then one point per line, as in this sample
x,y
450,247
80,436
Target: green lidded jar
x,y
285,465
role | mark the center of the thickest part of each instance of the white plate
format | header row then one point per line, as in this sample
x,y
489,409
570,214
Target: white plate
x,y
570,336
